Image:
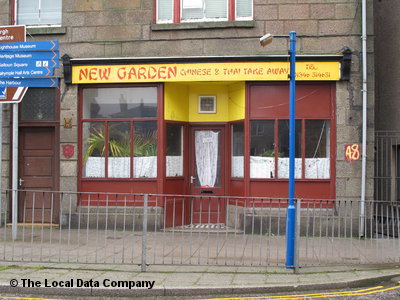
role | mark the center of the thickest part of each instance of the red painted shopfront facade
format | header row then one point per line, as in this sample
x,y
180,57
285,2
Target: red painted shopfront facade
x,y
222,135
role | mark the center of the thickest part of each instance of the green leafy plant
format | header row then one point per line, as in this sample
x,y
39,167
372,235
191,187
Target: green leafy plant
x,y
144,144
271,153
118,145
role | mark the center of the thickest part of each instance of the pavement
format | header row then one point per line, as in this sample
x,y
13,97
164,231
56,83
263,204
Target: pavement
x,y
66,279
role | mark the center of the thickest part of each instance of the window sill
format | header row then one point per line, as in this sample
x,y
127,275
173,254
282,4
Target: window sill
x,y
46,30
203,25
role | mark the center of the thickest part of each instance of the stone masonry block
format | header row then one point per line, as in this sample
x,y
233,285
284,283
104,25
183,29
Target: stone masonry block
x,y
130,32
266,12
68,5
139,17
348,169
73,19
341,27
69,99
293,12
84,49
4,19
162,48
83,34
105,18
88,5
347,135
113,50
122,4
346,10
5,171
68,168
329,44
276,27
69,135
322,11
69,184
5,151
307,27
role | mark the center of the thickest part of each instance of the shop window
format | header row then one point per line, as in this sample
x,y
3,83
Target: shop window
x,y
202,10
237,150
268,151
119,138
262,149
174,159
113,103
39,105
145,149
38,12
317,162
283,149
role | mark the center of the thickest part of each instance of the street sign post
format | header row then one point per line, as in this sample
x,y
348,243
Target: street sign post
x,y
22,65
13,94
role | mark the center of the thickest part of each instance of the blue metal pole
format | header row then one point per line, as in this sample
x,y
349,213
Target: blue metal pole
x,y
291,210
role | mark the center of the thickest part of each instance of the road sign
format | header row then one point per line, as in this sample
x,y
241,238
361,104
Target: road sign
x,y
29,82
52,56
26,69
12,34
17,94
30,46
9,34
3,93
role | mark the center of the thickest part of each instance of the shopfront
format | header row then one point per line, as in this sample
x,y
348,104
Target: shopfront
x,y
205,126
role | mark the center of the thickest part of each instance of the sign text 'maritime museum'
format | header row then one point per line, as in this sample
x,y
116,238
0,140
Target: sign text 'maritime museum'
x,y
274,71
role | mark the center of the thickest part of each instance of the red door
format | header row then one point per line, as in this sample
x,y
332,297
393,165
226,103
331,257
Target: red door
x,y
207,174
37,175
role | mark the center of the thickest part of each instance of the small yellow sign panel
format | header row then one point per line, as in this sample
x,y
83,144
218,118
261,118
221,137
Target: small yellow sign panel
x,y
251,71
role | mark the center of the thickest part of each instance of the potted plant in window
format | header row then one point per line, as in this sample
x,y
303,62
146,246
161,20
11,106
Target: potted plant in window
x,y
118,152
145,152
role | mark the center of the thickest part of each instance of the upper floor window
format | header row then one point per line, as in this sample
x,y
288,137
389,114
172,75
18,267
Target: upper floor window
x,y
177,11
38,12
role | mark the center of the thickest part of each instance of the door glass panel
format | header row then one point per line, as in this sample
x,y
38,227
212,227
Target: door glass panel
x,y
207,158
174,159
38,105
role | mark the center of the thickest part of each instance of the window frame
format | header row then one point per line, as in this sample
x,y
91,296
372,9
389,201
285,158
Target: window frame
x,y
301,152
132,121
14,11
177,14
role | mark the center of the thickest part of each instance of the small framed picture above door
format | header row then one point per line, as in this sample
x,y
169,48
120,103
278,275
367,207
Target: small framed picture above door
x,y
207,104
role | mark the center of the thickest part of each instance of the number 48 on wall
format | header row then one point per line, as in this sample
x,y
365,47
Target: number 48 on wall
x,y
352,152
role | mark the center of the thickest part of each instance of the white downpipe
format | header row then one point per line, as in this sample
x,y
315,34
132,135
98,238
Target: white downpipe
x,y
364,118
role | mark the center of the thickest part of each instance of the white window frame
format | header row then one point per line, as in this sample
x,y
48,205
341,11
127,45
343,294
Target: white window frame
x,y
249,18
158,21
34,25
204,19
174,2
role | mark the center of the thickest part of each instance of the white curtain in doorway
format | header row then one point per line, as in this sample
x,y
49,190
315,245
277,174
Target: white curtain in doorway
x,y
206,145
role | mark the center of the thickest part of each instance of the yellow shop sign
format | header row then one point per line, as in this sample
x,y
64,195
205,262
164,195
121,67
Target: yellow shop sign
x,y
251,71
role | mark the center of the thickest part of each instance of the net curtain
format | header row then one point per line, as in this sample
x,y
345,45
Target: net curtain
x,y
206,152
